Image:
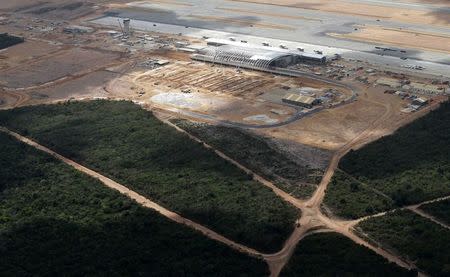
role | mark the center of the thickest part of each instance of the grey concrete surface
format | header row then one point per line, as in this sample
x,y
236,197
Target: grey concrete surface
x,y
304,28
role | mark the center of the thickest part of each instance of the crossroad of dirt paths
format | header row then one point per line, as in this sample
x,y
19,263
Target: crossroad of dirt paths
x,y
311,221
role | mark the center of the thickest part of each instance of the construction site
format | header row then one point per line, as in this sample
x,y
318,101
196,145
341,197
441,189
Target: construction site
x,y
315,80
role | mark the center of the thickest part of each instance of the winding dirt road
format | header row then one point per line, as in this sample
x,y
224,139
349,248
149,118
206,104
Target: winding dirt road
x,y
21,98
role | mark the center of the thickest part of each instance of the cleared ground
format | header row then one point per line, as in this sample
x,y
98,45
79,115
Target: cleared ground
x,y
129,145
399,37
91,85
26,51
58,221
407,167
332,128
58,66
375,10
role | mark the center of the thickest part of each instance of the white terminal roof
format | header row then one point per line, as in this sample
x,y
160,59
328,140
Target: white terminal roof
x,y
243,55
254,55
299,98
219,41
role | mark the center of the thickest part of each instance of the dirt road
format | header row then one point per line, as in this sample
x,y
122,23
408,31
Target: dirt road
x,y
428,216
312,218
145,202
414,208
311,221
361,139
20,98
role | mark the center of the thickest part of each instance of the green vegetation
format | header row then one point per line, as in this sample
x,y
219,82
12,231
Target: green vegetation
x,y
410,166
440,210
331,254
256,154
8,40
349,198
131,146
415,237
55,221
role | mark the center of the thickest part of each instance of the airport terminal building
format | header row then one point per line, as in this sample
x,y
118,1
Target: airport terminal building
x,y
253,56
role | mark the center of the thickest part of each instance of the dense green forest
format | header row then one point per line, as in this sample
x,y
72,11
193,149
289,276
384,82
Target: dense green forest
x,y
256,154
414,237
440,210
349,198
8,40
131,146
331,254
55,221
410,166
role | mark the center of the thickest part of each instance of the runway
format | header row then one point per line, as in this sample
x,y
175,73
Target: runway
x,y
141,21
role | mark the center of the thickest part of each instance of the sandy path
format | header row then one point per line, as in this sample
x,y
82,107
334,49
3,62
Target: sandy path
x,y
414,208
312,218
363,138
137,197
21,98
428,216
284,195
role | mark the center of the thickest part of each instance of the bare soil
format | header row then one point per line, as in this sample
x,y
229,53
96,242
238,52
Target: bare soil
x,y
403,38
24,52
332,128
61,65
427,17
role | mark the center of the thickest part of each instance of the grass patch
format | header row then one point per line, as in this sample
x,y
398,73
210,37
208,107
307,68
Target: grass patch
x,y
8,40
331,254
440,210
414,237
57,221
258,155
349,198
131,146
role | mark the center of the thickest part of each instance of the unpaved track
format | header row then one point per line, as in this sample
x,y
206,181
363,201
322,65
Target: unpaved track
x,y
137,197
312,218
286,196
415,208
429,217
363,138
21,98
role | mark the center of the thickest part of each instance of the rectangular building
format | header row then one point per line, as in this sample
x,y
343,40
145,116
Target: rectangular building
x,y
300,100
393,83
424,88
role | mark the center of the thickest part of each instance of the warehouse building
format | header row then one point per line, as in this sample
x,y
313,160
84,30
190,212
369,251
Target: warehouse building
x,y
426,89
393,83
300,100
